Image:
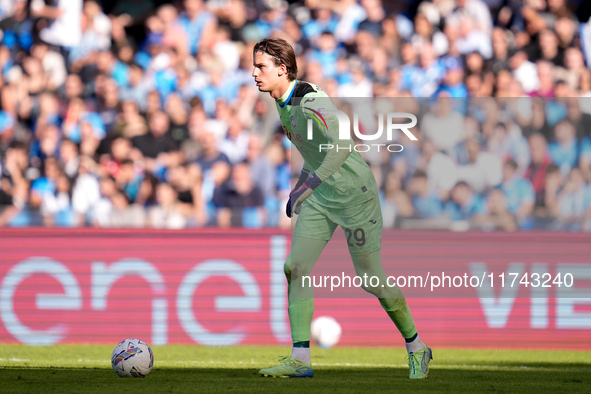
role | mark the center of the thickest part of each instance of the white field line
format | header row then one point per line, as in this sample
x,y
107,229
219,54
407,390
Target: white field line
x,y
346,365
15,359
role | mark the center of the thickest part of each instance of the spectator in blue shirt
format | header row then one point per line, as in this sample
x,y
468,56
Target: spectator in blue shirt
x,y
519,192
85,52
17,28
165,79
323,20
45,187
574,202
498,217
422,80
327,54
464,203
453,85
221,86
507,145
199,25
108,64
585,157
565,151
138,87
45,146
427,205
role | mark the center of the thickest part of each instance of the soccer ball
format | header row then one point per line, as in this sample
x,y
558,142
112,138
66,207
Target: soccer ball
x,y
132,358
326,331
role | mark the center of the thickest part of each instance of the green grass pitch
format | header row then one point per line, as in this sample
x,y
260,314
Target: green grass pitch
x,y
186,369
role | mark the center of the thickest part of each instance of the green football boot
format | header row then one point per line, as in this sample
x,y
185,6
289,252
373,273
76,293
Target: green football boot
x,y
418,363
289,367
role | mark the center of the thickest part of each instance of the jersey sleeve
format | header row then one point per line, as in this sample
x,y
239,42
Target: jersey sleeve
x,y
319,110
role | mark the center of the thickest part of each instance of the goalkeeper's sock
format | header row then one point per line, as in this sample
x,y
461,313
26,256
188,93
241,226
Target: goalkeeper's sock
x,y
301,352
414,344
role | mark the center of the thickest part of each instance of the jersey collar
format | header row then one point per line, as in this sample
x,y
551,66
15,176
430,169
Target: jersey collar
x,y
287,95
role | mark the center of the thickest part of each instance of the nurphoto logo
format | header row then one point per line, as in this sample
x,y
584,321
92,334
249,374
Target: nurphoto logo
x,y
392,123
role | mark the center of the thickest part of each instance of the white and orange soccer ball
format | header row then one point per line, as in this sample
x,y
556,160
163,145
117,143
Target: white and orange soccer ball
x,y
132,358
326,331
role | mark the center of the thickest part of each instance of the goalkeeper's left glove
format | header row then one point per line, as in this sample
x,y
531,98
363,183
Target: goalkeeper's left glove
x,y
299,195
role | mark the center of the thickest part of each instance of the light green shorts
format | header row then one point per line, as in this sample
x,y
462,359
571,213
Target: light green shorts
x,y
361,223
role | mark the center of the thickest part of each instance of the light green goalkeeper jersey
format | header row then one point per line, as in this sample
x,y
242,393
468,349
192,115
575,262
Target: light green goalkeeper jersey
x,y
347,179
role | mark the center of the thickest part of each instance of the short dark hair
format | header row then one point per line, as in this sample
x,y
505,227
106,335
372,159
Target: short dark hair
x,y
537,134
511,163
196,102
501,125
566,122
420,174
282,53
552,168
462,184
17,145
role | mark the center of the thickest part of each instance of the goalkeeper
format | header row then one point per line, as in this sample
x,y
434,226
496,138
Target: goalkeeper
x,y
336,188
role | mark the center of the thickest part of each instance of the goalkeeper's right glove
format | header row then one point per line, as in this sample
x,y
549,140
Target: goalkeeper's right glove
x,y
303,176
300,194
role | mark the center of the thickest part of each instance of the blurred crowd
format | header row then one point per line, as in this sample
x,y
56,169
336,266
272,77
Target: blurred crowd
x,y
143,113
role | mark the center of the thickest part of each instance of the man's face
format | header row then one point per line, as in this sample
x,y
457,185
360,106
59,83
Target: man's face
x,y
575,180
460,194
192,6
473,148
159,124
537,148
242,179
564,133
266,74
508,172
208,141
418,185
